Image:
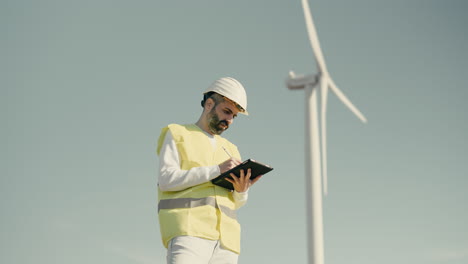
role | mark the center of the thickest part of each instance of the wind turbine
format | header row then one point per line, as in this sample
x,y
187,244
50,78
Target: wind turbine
x,y
317,160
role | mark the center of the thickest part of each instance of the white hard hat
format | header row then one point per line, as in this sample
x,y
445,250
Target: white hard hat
x,y
231,89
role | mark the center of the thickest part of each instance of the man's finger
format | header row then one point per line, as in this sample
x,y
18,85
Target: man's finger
x,y
234,177
230,180
249,173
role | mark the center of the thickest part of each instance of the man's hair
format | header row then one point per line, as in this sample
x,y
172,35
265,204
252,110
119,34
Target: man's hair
x,y
217,98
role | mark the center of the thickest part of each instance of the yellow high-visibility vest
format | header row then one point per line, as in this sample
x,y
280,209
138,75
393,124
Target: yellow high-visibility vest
x,y
205,210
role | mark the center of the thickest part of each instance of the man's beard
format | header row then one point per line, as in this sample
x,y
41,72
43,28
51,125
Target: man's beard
x,y
215,125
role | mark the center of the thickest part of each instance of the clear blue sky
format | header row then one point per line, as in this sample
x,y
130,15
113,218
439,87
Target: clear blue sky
x,y
87,85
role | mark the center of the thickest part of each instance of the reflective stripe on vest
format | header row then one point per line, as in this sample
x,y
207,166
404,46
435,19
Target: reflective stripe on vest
x,y
195,202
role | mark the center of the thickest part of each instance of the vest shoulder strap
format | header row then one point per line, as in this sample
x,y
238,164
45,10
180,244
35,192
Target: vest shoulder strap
x,y
177,131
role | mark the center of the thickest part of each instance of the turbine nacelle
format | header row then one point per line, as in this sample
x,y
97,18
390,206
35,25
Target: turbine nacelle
x,y
297,82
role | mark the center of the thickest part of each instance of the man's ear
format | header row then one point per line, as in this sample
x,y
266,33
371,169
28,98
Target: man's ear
x,y
209,104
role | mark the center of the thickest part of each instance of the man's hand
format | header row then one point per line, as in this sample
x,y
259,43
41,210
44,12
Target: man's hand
x,y
242,184
228,164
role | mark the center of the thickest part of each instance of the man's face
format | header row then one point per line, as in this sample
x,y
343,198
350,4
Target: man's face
x,y
221,117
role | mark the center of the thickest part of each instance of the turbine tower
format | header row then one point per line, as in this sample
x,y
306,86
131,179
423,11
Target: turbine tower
x,y
315,160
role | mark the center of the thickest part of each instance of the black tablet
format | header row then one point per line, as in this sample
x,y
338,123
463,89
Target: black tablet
x,y
256,167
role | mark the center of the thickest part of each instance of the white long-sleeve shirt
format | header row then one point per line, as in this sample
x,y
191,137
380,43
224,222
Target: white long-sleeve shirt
x,y
172,178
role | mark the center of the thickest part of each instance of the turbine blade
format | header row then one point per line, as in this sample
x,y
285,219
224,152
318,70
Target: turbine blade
x,y
346,101
324,96
314,42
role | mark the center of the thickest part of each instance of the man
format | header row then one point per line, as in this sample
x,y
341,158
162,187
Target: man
x,y
198,219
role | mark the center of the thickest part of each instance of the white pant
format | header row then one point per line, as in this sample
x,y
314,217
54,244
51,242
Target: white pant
x,y
195,250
